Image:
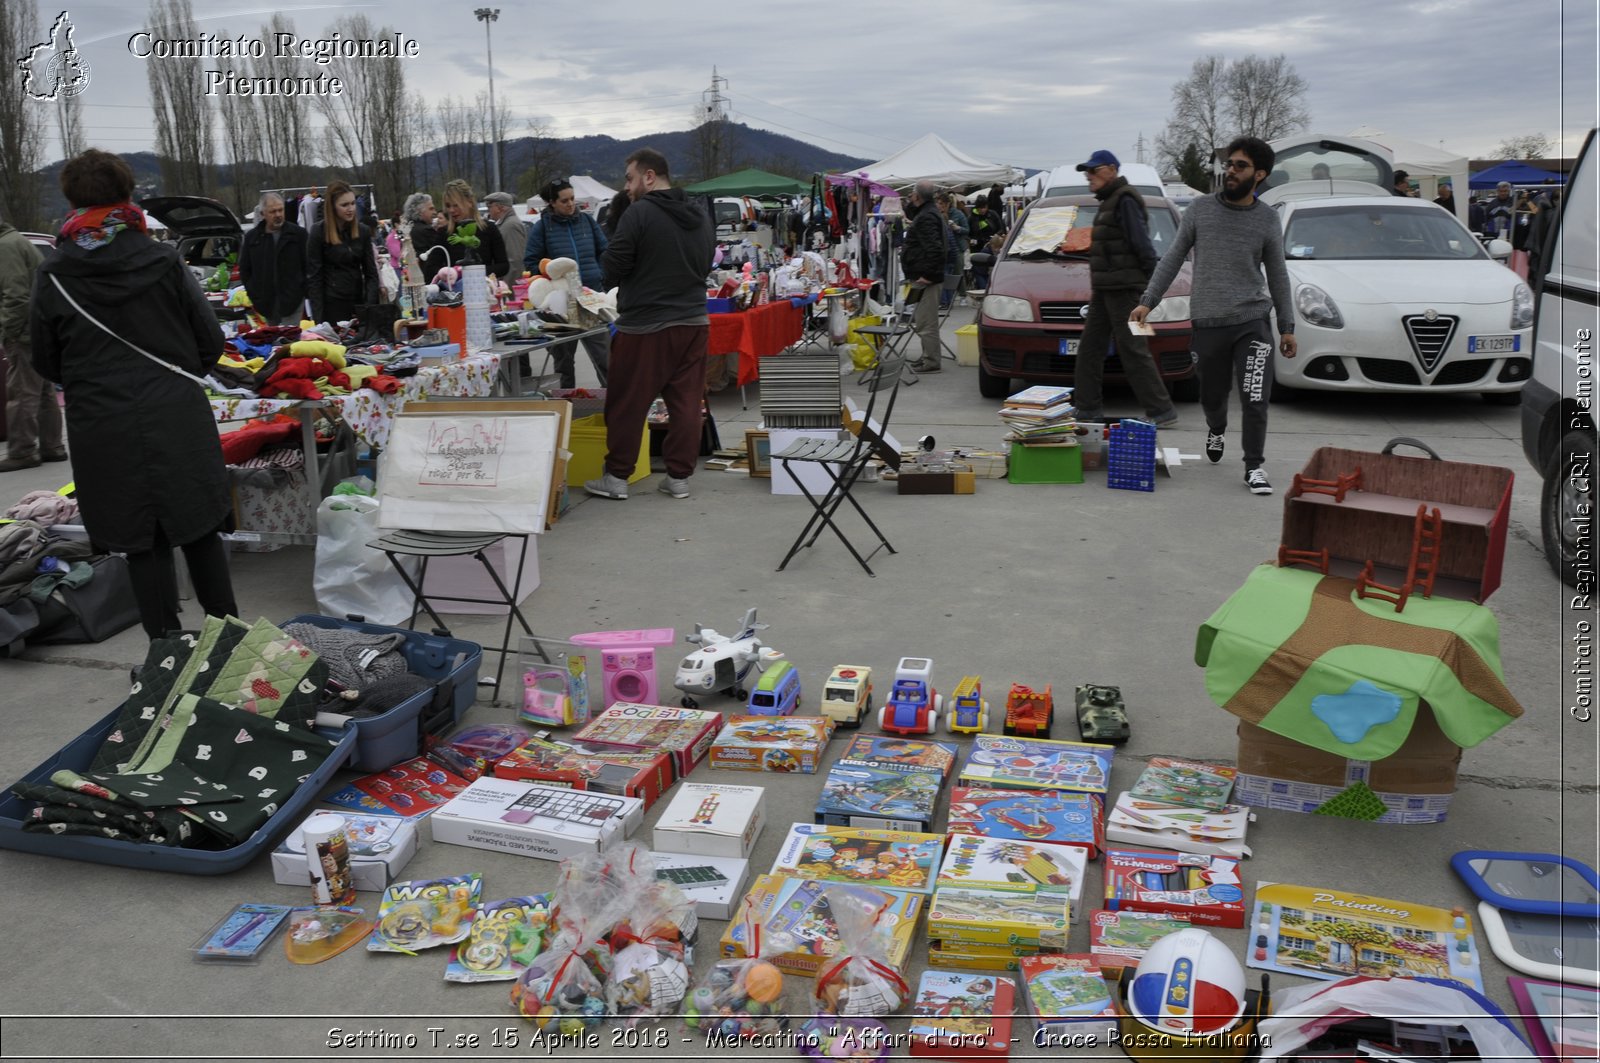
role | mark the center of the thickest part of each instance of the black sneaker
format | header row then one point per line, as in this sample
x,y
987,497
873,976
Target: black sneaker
x,y
1215,445
1256,480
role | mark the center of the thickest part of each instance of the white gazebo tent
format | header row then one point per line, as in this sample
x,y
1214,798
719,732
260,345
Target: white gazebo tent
x,y
1425,164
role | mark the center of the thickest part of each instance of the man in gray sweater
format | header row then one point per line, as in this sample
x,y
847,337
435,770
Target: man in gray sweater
x,y
1233,237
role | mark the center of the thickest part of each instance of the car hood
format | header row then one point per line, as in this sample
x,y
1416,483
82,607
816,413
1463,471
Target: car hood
x,y
192,215
1052,279
1402,283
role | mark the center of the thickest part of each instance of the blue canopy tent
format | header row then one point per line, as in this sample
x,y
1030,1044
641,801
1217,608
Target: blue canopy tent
x,y
1517,173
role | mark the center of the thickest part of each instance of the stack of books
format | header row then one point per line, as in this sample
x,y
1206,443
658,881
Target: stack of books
x,y
1041,414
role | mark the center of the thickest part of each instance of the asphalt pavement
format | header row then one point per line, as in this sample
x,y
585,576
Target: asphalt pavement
x,y
1037,584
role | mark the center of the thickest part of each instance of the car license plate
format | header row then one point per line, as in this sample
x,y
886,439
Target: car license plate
x,y
1493,344
1069,346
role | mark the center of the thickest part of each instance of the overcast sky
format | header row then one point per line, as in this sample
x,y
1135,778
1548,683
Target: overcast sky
x,y
1029,83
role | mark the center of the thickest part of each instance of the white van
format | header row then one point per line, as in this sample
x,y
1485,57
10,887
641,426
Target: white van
x,y
1070,181
1558,422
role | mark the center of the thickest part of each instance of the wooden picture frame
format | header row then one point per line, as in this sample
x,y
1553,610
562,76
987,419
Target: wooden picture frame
x,y
758,453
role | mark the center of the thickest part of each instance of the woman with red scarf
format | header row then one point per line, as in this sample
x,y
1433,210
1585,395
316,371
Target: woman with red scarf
x,y
118,320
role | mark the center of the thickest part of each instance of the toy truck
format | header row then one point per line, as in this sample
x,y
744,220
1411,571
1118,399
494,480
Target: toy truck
x,y
913,705
1029,712
1102,715
969,713
847,698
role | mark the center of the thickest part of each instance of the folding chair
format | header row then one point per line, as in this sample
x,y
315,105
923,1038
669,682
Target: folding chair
x,y
850,456
426,545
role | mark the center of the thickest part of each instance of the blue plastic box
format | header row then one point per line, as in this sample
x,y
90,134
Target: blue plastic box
x,y
382,741
78,754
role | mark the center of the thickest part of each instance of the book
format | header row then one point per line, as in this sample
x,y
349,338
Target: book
x,y
962,1016
1031,815
888,859
1186,783
1037,764
1014,865
1069,997
1188,830
1120,939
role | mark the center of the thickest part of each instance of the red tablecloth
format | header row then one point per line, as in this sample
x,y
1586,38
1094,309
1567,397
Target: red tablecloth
x,y
753,334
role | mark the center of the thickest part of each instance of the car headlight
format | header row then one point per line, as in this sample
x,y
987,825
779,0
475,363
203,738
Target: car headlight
x,y
1521,306
1006,308
1175,308
1317,307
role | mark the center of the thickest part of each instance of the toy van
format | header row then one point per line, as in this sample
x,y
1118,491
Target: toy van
x,y
777,692
847,698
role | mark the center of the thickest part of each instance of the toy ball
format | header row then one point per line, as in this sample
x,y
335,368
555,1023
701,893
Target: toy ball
x,y
1188,983
763,982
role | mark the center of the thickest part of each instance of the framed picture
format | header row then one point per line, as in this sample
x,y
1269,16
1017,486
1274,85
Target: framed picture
x,y
758,446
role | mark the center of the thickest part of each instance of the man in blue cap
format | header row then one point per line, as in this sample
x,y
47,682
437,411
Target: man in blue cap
x,y
1121,260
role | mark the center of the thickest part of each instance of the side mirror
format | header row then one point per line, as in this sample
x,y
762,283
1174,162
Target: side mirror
x,y
1499,249
981,258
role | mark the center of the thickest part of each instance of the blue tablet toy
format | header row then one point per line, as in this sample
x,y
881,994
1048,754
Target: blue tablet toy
x,y
1533,883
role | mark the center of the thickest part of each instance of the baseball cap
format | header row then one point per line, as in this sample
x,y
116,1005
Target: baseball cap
x,y
1099,158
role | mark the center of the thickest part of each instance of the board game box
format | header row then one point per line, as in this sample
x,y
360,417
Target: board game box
x,y
999,917
1037,764
529,819
684,734
1135,821
412,788
712,819
962,1016
909,752
645,775
1069,996
1014,865
1206,890
1120,939
1031,815
1185,783
1321,933
800,907
888,859
886,797
772,743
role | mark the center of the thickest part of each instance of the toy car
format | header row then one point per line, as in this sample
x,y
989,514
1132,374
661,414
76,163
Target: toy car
x,y
913,705
1102,716
969,713
1029,712
847,698
777,692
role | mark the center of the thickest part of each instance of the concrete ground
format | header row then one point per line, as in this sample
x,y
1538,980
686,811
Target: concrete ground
x,y
1038,584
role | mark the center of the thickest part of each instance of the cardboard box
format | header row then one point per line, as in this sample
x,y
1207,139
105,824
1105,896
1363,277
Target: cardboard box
x,y
962,481
887,859
712,819
1205,890
645,775
772,743
380,848
684,734
713,897
544,822
1416,782
778,902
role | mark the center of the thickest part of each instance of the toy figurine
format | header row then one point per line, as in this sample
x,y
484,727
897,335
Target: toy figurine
x,y
1102,716
721,663
914,705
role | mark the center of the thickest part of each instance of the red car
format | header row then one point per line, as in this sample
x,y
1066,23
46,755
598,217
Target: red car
x,y
1038,297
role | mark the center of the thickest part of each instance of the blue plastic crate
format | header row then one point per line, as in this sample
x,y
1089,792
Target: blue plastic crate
x,y
382,741
78,754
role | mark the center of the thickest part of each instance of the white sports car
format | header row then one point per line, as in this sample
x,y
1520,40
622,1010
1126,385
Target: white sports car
x,y
1396,294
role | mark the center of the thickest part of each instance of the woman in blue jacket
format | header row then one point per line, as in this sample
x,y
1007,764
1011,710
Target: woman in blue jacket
x,y
564,231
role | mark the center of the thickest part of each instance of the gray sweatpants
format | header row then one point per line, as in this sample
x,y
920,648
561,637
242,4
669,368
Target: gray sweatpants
x,y
1244,350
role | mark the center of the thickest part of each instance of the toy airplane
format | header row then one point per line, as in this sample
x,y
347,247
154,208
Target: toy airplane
x,y
722,662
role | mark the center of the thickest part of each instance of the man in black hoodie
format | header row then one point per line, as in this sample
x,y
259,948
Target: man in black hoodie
x,y
658,261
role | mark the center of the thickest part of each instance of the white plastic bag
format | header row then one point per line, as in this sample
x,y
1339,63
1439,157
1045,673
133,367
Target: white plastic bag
x,y
351,577
1301,1013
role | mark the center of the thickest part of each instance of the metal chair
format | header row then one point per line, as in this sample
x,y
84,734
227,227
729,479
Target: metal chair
x,y
844,458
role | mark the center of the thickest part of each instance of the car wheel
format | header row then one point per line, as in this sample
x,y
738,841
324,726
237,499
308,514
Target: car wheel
x,y
1566,510
1503,398
1185,390
991,386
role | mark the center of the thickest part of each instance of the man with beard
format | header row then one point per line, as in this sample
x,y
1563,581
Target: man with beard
x,y
1233,237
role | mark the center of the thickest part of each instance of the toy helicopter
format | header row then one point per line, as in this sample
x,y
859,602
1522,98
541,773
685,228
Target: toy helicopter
x,y
722,662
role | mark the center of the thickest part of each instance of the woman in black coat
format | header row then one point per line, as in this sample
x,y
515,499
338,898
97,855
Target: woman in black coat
x,y
341,269
145,450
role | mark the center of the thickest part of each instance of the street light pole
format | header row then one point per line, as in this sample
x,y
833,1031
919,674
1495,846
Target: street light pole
x,y
487,16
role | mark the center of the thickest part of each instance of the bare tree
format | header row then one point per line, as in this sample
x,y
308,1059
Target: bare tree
x,y
21,120
284,131
184,138
1219,100
1527,146
1266,98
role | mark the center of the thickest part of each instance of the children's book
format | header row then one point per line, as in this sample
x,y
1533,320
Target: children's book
x,y
422,913
1140,821
1030,815
1037,764
1120,939
505,938
962,1016
1069,996
1185,783
885,750
1014,865
888,859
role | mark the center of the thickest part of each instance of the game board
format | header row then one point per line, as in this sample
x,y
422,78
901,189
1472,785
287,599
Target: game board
x,y
1185,783
1318,933
1037,764
1031,815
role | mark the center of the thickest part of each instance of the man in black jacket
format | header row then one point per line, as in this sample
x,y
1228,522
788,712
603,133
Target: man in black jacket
x,y
922,261
1121,260
658,260
272,264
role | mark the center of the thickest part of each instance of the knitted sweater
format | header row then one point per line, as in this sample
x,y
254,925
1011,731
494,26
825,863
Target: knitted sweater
x,y
1231,245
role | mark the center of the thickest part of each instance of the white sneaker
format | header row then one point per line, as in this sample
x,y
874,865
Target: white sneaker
x,y
1256,480
608,486
675,488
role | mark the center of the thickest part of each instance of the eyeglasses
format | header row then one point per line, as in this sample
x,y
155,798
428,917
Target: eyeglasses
x,y
1239,164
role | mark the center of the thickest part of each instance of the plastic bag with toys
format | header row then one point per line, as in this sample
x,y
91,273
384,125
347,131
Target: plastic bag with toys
x,y
652,946
859,980
747,997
